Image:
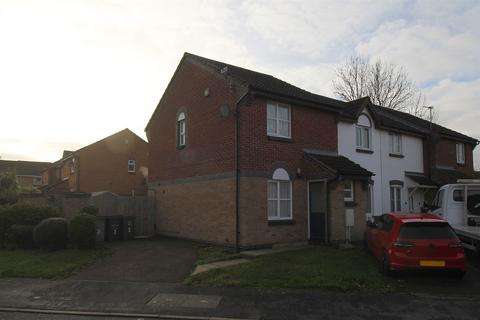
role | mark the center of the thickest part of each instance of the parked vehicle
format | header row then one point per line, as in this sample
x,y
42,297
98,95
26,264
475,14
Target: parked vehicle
x,y
459,205
415,241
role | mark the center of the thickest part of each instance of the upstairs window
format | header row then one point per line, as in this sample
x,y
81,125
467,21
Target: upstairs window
x,y
348,189
181,130
460,153
278,120
395,143
363,133
279,196
131,166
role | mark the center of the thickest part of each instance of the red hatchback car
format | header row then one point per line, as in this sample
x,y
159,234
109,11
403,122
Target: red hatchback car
x,y
415,241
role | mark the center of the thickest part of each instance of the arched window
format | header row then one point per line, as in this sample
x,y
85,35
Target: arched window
x,y
279,196
181,129
363,132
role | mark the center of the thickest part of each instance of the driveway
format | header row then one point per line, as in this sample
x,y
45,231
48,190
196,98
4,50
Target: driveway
x,y
147,260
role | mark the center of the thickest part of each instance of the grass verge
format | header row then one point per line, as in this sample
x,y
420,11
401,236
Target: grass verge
x,y
48,265
209,254
317,267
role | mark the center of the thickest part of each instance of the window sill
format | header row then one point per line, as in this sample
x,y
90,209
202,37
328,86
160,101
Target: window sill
x,y
281,222
350,204
396,155
281,139
364,151
461,164
180,147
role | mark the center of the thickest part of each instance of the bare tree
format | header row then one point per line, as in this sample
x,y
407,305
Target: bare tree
x,y
387,85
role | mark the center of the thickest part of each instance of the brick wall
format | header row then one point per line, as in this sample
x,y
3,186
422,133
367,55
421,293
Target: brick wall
x,y
310,129
199,210
337,211
254,227
104,165
446,155
210,146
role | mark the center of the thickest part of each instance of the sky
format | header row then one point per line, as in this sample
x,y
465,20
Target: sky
x,y
73,72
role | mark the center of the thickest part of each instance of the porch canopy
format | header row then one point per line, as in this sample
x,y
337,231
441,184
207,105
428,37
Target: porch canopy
x,y
320,164
417,181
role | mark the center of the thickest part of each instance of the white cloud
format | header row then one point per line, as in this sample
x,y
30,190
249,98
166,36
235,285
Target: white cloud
x,y
428,53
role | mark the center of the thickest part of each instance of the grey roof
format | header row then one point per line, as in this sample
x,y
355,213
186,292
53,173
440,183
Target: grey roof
x,y
26,168
340,164
267,84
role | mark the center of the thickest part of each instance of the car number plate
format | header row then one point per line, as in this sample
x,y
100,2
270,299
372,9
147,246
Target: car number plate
x,y
432,263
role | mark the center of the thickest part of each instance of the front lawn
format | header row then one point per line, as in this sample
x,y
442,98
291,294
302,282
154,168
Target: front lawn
x,y
316,267
42,264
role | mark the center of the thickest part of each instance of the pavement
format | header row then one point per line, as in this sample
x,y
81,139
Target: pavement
x,y
179,301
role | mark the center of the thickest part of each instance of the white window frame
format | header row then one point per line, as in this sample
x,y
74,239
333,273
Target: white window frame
x,y
279,176
350,189
181,129
359,139
397,191
394,144
131,163
460,151
277,120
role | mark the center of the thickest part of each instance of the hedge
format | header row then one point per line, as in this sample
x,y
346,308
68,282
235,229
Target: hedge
x,y
23,214
19,236
51,234
83,230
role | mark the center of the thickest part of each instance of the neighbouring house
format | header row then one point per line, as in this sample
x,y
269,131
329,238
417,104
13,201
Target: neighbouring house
x,y
411,157
241,158
28,173
117,163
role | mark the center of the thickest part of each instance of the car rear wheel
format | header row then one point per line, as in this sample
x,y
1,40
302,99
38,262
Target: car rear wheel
x,y
458,274
386,270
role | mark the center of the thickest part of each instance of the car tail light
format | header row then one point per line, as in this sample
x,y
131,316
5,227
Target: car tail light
x,y
403,244
456,244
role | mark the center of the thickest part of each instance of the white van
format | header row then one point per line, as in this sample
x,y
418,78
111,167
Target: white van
x,y
459,205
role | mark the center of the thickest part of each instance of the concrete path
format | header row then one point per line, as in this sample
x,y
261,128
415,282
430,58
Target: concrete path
x,y
147,260
247,256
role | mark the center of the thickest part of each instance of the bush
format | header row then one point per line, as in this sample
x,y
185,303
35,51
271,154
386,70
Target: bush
x,y
19,236
51,234
83,231
8,188
92,210
23,214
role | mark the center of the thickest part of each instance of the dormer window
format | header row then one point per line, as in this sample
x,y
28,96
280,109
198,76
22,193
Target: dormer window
x,y
363,133
181,130
278,120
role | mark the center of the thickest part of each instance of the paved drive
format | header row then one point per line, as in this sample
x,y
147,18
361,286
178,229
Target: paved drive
x,y
150,260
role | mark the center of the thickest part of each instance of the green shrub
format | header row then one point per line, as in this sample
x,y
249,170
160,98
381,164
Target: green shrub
x,y
92,210
19,236
51,234
83,231
23,214
8,188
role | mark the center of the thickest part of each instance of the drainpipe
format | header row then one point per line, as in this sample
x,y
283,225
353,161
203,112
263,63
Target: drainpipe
x,y
237,174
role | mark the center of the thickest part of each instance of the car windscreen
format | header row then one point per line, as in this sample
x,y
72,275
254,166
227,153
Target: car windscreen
x,y
426,230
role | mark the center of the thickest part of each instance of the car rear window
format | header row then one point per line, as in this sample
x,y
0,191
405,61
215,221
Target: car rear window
x,y
426,230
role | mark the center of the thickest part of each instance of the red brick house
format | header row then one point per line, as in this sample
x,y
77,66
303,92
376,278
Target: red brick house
x,y
28,173
241,158
117,163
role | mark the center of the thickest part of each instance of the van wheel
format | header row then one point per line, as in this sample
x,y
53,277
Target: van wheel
x,y
386,270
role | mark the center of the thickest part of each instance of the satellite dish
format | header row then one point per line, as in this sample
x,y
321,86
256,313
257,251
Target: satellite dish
x,y
224,111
